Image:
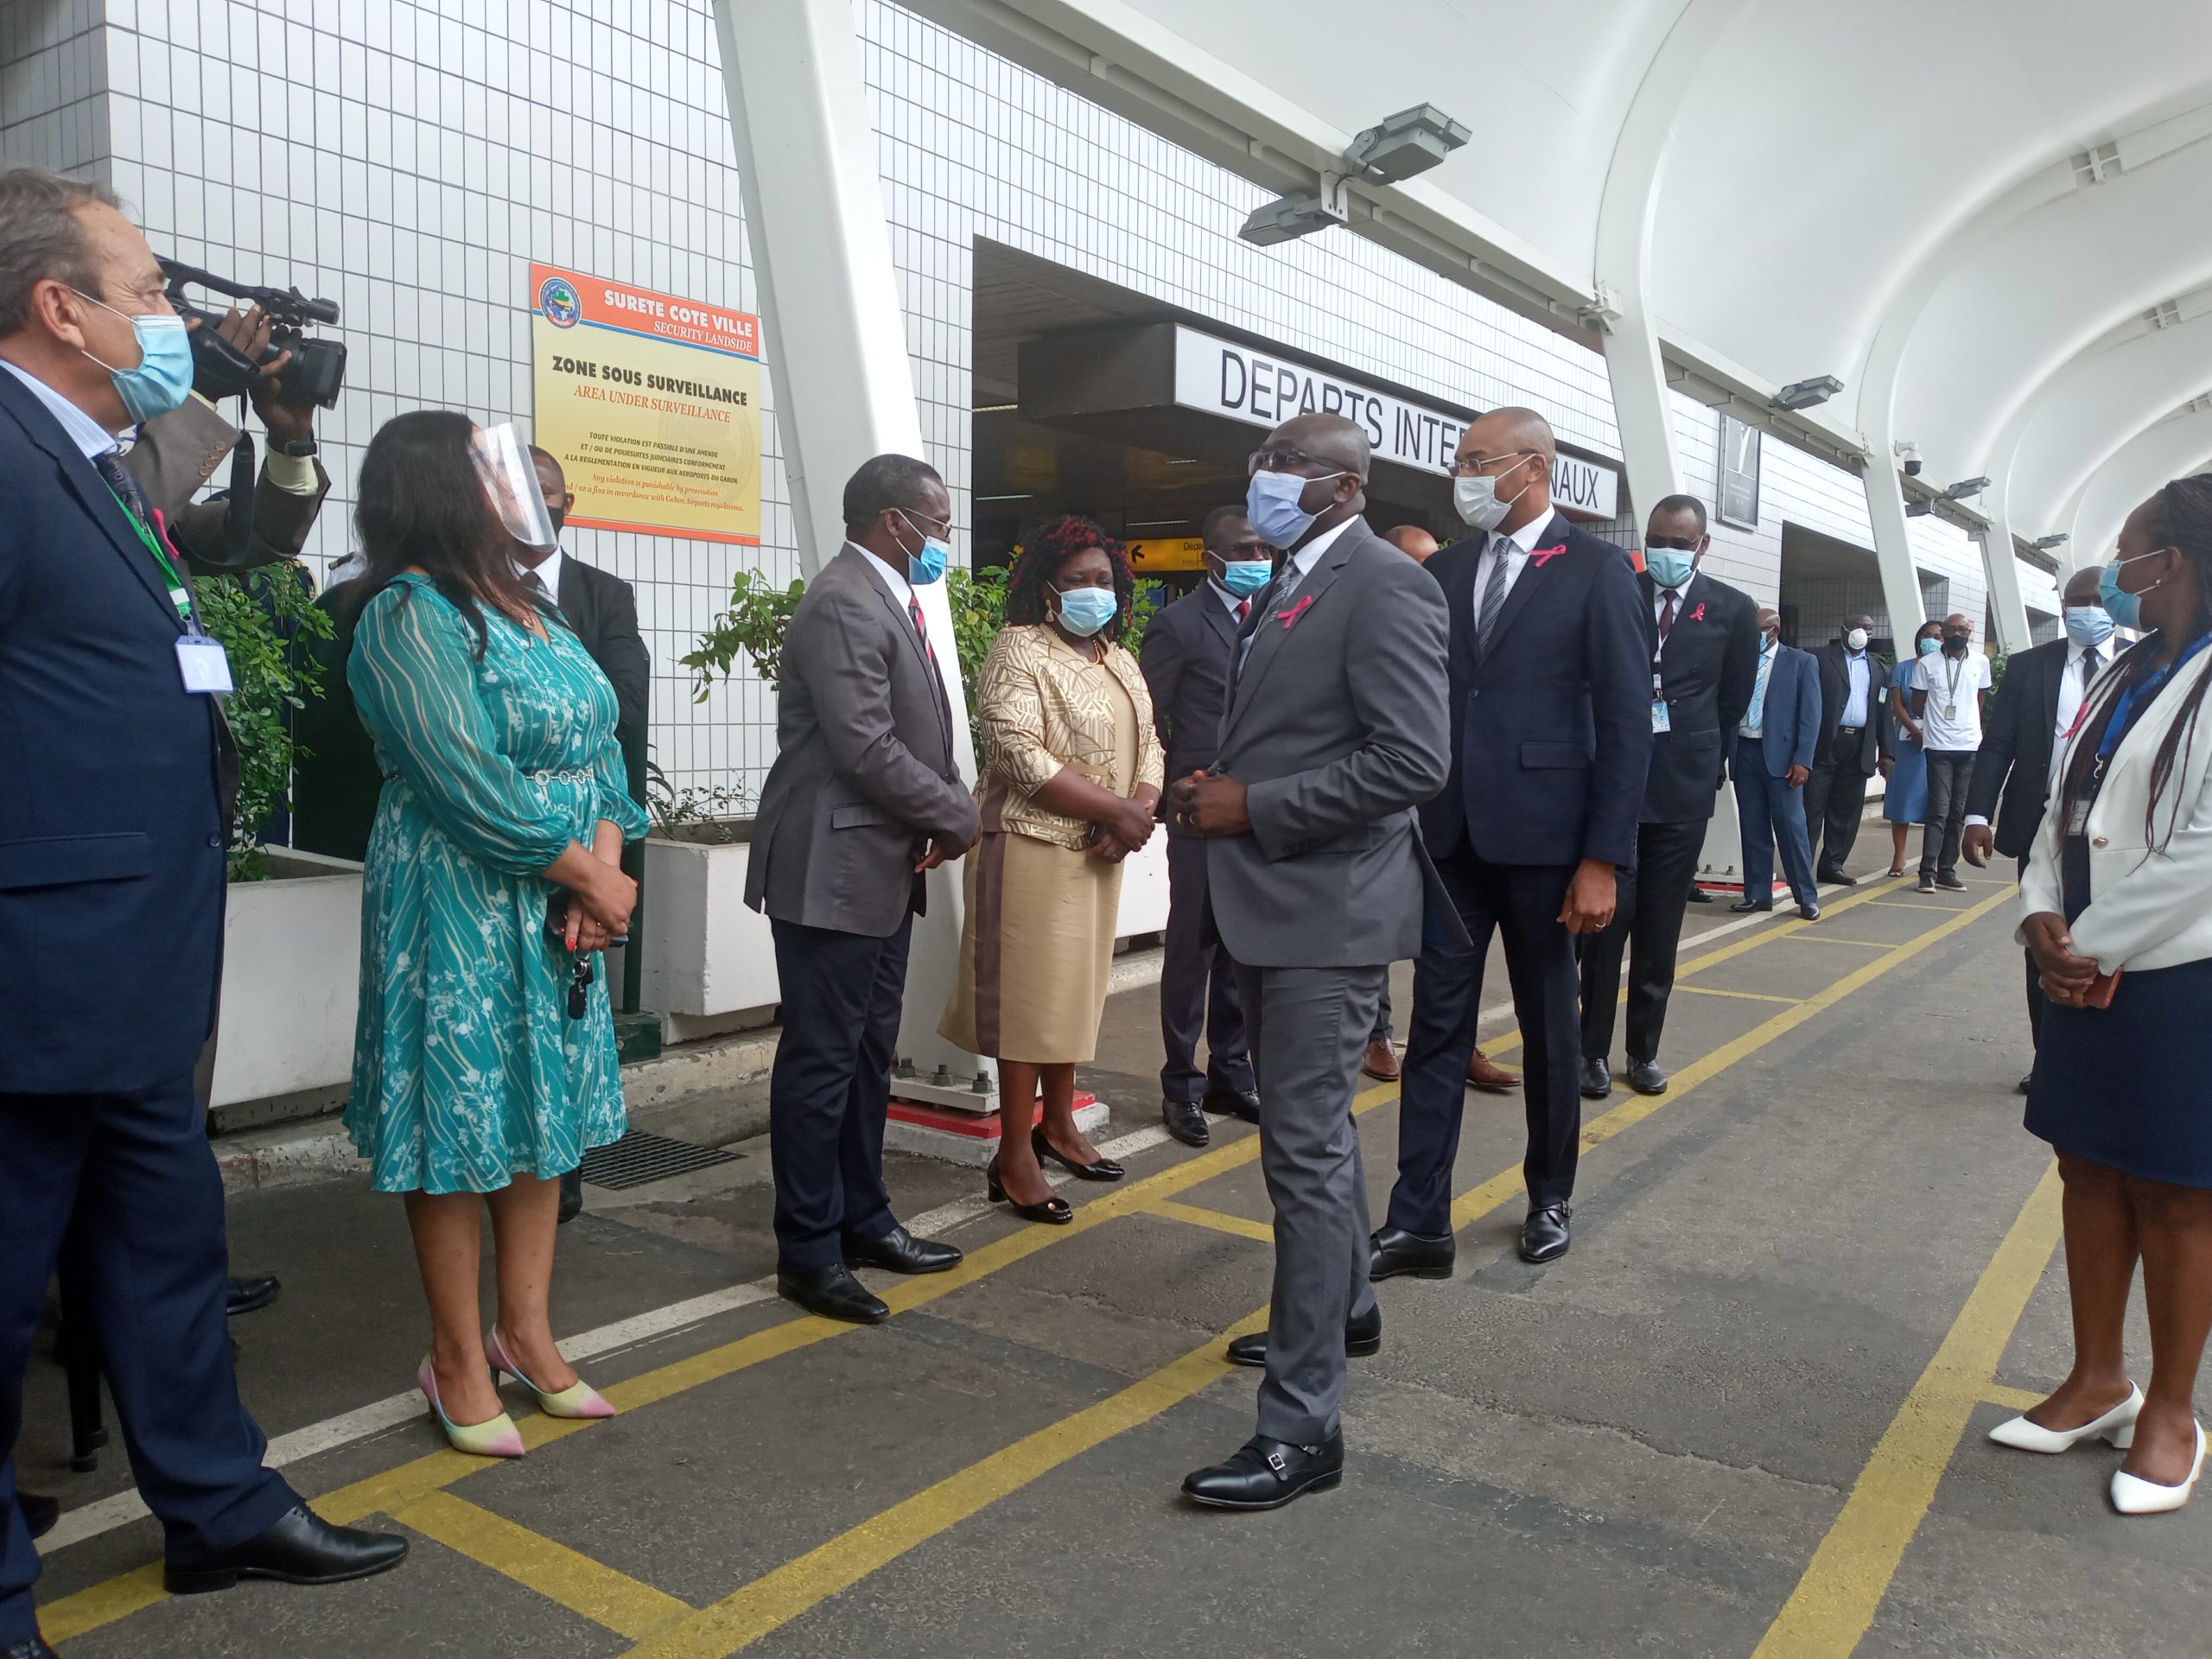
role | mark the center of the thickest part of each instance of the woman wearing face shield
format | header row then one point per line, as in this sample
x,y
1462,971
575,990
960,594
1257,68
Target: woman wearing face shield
x,y
2117,907
1072,772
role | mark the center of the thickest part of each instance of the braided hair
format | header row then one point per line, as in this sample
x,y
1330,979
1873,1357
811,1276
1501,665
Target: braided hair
x,y
2181,517
1057,542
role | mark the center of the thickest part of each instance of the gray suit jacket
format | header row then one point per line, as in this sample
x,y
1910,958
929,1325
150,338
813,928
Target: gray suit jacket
x,y
1338,729
864,769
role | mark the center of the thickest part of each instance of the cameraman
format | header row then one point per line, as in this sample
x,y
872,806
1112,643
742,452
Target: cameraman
x,y
177,453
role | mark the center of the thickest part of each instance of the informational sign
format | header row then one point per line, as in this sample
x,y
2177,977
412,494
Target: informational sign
x,y
652,404
1222,378
1150,558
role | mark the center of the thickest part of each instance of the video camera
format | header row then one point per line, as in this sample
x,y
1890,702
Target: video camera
x,y
317,371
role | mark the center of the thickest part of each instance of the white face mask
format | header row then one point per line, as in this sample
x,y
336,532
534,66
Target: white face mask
x,y
1855,640
1477,498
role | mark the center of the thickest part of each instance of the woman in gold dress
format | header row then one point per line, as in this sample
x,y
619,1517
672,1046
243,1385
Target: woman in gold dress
x,y
1072,775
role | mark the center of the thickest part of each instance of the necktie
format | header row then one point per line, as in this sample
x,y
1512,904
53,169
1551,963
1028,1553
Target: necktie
x,y
1755,715
2090,664
117,477
1243,610
1493,596
536,584
921,628
1666,614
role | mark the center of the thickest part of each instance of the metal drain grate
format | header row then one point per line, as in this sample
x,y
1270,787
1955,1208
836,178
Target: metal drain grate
x,y
639,1159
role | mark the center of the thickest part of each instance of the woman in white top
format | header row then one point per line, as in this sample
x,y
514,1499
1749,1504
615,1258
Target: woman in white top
x,y
2117,907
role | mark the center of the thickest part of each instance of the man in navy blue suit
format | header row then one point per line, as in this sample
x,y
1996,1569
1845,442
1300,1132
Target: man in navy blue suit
x,y
1551,734
112,843
1774,750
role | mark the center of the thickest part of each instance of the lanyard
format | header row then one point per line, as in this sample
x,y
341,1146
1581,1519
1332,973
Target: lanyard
x,y
2124,705
179,595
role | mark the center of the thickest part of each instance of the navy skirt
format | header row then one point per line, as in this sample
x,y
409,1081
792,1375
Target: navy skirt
x,y
2130,1086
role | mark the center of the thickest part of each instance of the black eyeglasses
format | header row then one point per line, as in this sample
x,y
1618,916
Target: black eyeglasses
x,y
1673,543
1281,458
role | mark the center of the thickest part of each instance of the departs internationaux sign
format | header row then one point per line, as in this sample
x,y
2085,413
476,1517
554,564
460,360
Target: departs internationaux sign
x,y
1224,378
652,404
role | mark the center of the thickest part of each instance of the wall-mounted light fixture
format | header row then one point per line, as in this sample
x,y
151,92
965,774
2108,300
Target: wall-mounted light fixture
x,y
1804,394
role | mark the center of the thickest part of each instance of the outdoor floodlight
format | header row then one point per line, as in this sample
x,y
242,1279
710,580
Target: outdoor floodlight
x,y
1965,488
1287,218
1410,141
1804,394
2049,542
1918,509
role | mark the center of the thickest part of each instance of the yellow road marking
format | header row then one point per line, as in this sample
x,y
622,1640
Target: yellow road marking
x,y
1748,997
103,1603
1850,1573
1831,938
2012,1399
576,1581
776,1598
1900,904
1242,1226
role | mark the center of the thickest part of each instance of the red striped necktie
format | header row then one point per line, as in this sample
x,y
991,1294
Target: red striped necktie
x,y
914,610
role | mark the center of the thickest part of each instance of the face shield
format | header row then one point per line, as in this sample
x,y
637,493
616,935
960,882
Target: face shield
x,y
511,482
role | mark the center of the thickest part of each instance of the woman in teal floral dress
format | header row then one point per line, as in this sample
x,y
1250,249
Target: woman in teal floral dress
x,y
503,796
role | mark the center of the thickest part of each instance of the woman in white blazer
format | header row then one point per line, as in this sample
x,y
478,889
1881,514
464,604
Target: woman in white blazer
x,y
2119,883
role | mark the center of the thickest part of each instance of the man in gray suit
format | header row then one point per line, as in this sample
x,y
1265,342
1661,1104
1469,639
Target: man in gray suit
x,y
1337,730
864,797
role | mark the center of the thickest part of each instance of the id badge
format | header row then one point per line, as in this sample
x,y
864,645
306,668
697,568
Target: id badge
x,y
1951,711
206,667
1661,722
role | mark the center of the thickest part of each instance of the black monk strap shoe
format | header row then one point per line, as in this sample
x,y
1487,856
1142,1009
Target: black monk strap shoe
x,y
1234,1102
1544,1234
1362,1337
1597,1080
1646,1078
1265,1474
900,1251
1186,1121
1393,1251
301,1549
833,1293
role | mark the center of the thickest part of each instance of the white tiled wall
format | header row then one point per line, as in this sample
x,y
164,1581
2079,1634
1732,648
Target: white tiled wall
x,y
52,70
409,158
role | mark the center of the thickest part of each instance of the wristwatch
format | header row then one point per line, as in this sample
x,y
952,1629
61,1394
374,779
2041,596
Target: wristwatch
x,y
299,449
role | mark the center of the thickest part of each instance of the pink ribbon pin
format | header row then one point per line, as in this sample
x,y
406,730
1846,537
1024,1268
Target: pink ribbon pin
x,y
1542,554
1698,615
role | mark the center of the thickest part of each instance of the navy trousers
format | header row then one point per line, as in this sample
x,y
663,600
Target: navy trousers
x,y
1768,810
136,1174
831,1086
1520,903
1649,903
1198,988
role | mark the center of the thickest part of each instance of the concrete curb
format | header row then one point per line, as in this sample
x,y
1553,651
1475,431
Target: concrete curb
x,y
694,1093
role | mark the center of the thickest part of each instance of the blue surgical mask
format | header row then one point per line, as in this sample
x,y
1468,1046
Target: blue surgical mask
x,y
1271,503
2125,608
928,565
2088,625
1084,611
1245,577
1928,646
162,378
1670,566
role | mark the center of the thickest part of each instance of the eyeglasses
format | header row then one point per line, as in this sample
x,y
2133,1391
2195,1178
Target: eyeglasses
x,y
1672,543
1472,466
921,521
1280,458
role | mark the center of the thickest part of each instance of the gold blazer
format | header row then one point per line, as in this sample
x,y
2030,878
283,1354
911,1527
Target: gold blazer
x,y
1041,708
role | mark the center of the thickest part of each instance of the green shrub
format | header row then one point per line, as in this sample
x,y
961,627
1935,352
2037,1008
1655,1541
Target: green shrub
x,y
261,617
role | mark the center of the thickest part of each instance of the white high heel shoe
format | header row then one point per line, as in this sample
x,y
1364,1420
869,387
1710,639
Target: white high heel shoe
x,y
2132,1496
2117,1425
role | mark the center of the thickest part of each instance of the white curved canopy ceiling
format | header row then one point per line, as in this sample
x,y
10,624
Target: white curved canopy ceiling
x,y
1962,209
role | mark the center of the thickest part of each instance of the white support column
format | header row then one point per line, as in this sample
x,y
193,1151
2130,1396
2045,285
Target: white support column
x,y
836,350
2002,567
1893,549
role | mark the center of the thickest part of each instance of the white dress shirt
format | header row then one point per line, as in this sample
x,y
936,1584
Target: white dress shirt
x,y
548,570
1861,675
901,589
87,434
1300,564
1229,601
2071,690
1514,547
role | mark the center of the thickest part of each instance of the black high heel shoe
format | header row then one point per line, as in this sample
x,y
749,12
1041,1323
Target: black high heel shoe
x,y
1053,1212
1104,1170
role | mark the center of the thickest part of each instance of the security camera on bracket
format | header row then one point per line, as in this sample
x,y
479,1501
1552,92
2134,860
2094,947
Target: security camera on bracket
x,y
1909,453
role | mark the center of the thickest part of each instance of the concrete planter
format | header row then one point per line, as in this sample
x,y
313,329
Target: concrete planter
x,y
291,981
705,953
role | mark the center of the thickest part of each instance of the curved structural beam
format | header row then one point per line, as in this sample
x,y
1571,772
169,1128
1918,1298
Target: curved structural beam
x,y
2170,449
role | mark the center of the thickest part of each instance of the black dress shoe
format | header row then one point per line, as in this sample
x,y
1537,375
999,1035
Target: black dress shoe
x,y
1742,905
1265,1474
1234,1102
1393,1251
250,1293
900,1251
1839,878
831,1292
1098,1169
1185,1120
1646,1078
1699,896
39,1512
302,1548
1809,912
1362,1337
2026,1083
1544,1235
32,1648
572,1196
1597,1080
